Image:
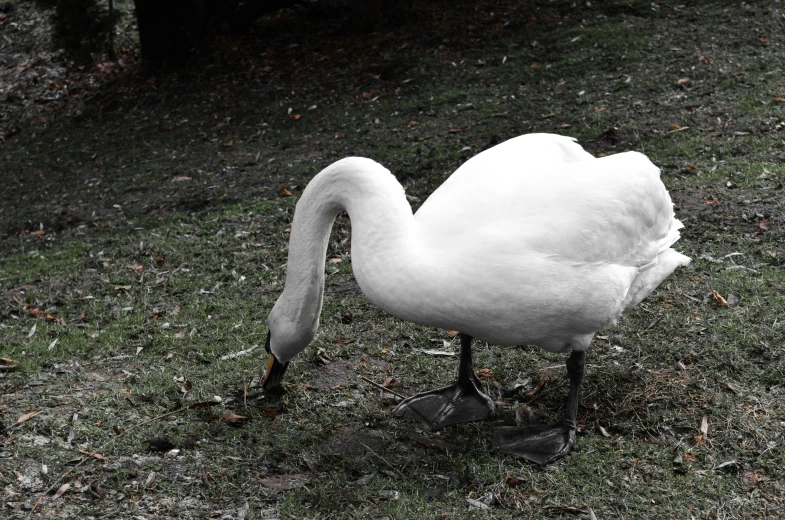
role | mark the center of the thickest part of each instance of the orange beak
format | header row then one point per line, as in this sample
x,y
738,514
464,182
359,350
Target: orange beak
x,y
275,370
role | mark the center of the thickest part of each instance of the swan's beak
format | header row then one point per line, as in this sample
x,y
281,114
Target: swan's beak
x,y
275,370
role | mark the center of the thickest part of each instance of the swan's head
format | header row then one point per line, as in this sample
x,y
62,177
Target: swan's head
x,y
286,337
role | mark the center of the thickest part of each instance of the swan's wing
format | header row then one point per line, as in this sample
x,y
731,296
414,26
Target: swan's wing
x,y
499,171
545,195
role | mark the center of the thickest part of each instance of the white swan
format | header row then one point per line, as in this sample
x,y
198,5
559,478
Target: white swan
x,y
533,241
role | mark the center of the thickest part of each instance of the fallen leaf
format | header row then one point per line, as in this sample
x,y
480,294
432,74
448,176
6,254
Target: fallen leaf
x,y
719,299
150,479
40,233
180,335
284,482
230,417
705,427
181,178
32,331
683,81
732,388
8,365
603,432
27,417
673,128
476,504
485,373
135,267
62,489
286,193
94,455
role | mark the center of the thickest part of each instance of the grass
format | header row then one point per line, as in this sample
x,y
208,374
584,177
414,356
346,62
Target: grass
x,y
150,281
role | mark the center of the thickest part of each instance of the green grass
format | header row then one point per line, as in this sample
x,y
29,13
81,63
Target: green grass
x,y
134,344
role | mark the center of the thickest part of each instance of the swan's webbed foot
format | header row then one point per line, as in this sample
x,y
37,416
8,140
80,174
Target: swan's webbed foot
x,y
454,404
538,443
543,444
458,403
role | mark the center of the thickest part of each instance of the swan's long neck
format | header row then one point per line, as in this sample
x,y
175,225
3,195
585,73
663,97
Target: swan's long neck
x,y
384,242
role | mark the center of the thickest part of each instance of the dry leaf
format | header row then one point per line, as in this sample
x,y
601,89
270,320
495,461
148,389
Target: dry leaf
x,y
284,482
673,128
8,365
27,416
485,373
230,417
180,335
135,267
286,193
65,487
604,432
181,178
719,299
683,81
150,479
705,427
94,455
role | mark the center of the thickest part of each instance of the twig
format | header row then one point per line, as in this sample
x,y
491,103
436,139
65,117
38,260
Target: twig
x,y
384,460
383,388
95,454
691,298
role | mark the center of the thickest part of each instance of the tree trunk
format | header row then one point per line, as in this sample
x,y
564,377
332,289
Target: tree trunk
x,y
170,31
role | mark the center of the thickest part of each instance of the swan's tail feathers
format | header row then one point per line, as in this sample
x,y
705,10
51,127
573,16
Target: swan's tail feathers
x,y
649,279
672,237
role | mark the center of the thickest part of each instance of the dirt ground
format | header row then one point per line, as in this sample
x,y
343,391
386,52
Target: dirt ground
x,y
143,231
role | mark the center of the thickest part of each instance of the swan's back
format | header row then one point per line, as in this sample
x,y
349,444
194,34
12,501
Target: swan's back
x,y
543,193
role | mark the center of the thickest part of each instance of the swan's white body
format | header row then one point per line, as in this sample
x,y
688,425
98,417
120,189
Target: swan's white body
x,y
533,241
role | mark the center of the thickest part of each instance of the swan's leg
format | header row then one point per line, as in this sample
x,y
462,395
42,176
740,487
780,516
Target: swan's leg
x,y
543,444
458,403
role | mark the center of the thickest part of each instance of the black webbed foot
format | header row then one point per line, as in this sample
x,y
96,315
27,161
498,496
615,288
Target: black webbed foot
x,y
452,404
538,443
458,403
